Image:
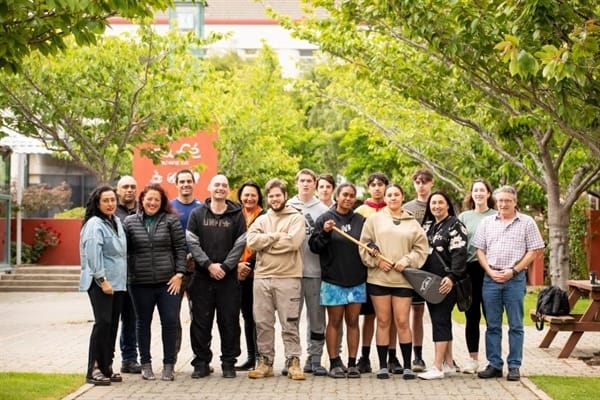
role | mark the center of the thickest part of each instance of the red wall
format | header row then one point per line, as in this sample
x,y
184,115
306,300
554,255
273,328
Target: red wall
x,y
592,241
67,252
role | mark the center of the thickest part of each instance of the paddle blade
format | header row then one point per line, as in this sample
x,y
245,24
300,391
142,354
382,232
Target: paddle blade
x,y
426,284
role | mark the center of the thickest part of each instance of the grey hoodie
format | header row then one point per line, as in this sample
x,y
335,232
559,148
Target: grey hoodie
x,y
311,210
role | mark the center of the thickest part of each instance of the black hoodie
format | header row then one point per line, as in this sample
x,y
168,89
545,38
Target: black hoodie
x,y
216,238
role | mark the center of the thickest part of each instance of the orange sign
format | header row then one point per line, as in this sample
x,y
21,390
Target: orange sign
x,y
202,161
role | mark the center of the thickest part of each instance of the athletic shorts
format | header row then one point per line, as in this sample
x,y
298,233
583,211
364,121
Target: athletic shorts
x,y
335,295
376,290
417,299
366,308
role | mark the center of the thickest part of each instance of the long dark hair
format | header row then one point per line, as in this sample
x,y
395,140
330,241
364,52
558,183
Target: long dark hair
x,y
164,200
255,186
92,207
428,215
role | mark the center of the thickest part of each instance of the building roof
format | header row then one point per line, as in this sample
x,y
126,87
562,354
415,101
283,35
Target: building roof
x,y
19,143
220,11
250,9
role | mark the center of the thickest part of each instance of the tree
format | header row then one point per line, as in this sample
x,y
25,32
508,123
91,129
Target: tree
x,y
94,105
27,26
257,120
522,75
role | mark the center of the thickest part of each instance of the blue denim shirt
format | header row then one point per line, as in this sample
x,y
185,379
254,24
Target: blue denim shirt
x,y
103,253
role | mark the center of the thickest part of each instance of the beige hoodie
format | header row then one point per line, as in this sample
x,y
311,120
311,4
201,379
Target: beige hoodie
x,y
405,242
277,238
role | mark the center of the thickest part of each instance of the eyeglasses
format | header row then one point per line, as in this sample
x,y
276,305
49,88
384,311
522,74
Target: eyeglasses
x,y
129,186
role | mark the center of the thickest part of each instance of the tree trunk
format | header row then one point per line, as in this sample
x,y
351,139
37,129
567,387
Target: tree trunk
x,y
558,242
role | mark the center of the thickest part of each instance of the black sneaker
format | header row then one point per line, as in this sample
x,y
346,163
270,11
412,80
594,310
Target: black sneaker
x,y
364,365
200,371
228,370
394,367
418,365
131,367
491,372
513,374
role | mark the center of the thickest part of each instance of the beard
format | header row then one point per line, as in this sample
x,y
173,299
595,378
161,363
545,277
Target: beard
x,y
278,208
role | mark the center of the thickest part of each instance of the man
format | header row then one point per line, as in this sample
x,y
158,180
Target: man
x,y
216,238
376,184
506,244
325,189
127,193
183,205
277,238
312,208
423,184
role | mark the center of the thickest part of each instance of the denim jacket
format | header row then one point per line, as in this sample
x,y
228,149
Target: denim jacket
x,y
103,253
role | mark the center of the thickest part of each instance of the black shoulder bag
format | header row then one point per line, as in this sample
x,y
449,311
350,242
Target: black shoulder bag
x,y
464,287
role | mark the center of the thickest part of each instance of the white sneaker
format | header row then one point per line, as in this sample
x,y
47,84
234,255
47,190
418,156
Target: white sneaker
x,y
448,370
470,367
432,373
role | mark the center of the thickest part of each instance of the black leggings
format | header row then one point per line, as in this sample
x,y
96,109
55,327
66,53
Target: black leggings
x,y
473,314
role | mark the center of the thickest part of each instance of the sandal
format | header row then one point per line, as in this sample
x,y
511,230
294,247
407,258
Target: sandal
x,y
98,379
116,378
353,372
337,372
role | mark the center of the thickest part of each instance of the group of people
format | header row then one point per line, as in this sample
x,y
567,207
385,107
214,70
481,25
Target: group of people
x,y
312,251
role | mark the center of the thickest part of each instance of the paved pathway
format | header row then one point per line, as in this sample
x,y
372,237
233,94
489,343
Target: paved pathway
x,y
49,332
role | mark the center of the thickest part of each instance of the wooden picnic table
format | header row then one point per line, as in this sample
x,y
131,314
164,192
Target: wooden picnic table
x,y
577,324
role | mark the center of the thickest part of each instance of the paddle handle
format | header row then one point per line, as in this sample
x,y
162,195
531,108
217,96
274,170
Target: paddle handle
x,y
360,244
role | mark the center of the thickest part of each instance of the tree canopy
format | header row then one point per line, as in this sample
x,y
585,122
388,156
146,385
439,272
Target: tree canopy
x,y
521,75
44,26
95,104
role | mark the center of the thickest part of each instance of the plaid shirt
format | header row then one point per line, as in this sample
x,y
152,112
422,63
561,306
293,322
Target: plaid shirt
x,y
505,245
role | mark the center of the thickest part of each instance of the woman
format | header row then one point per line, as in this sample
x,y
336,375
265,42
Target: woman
x,y
343,277
399,237
251,199
447,238
479,203
103,252
156,255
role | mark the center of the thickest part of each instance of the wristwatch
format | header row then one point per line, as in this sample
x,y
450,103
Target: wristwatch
x,y
515,272
101,280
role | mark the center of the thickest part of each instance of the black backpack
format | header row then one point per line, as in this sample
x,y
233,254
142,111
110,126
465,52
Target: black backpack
x,y
551,301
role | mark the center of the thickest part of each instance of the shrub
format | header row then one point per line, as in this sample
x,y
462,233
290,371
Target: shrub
x,y
44,237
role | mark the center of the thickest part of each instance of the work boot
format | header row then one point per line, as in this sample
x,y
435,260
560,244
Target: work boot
x,y
264,369
294,370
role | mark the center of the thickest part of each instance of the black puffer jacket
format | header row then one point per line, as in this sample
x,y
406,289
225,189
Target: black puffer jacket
x,y
154,257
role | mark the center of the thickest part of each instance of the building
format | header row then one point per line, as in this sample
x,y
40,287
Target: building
x,y
247,25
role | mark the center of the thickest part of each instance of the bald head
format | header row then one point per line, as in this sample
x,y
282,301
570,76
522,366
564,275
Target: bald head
x,y
219,188
127,191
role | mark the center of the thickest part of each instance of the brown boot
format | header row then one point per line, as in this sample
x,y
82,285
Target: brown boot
x,y
294,370
264,369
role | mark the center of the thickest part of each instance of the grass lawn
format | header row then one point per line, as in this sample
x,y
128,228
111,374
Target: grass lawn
x,y
530,303
35,386
567,388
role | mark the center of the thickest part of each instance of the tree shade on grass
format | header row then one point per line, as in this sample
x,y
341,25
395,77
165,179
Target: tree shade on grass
x,y
34,386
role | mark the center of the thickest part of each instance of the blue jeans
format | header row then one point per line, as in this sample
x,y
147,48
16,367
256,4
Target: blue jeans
x,y
145,298
496,298
128,340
